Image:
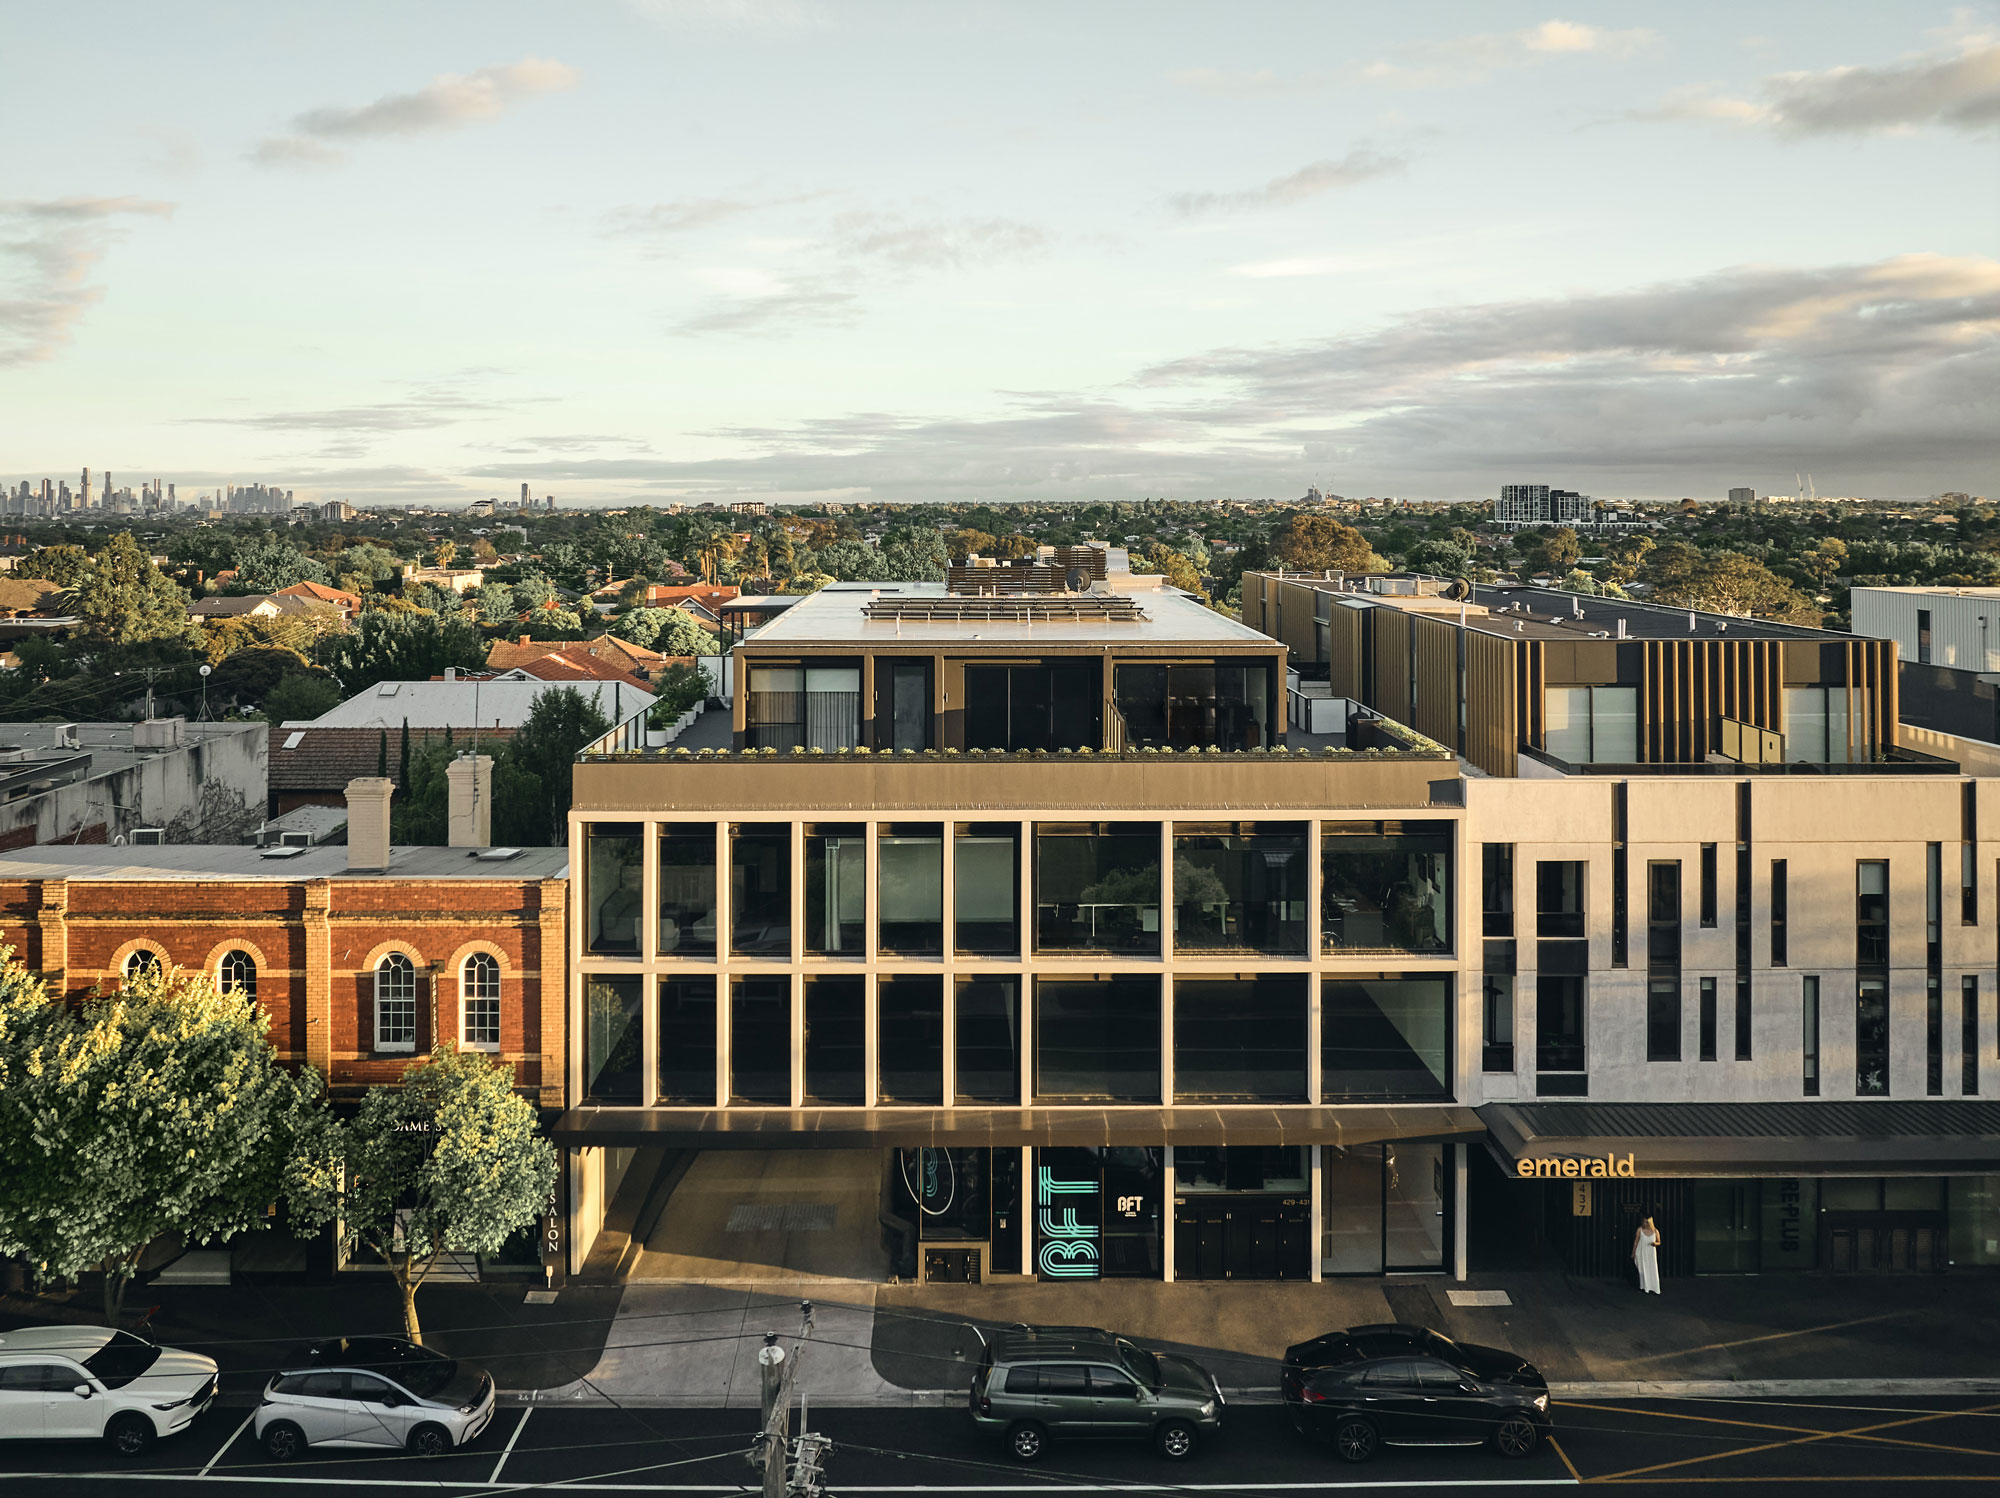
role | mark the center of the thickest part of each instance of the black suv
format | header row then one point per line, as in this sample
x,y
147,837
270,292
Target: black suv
x,y
1371,1386
1040,1381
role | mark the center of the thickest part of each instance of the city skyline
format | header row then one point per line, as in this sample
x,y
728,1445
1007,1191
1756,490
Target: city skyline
x,y
676,251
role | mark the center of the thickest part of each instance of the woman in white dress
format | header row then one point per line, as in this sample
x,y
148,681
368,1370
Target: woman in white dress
x,y
1646,1254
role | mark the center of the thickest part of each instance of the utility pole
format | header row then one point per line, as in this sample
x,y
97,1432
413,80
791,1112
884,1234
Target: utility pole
x,y
769,1451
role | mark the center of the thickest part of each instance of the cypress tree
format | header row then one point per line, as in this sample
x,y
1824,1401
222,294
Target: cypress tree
x,y
382,756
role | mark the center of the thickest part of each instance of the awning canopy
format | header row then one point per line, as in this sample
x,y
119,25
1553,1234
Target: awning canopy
x,y
1933,1137
887,1128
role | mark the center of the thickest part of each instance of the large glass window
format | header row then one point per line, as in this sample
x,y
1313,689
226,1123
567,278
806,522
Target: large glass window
x,y
687,890
1821,728
1559,903
1559,1015
1386,886
1240,1039
986,888
833,707
1496,888
912,892
989,1040
1240,887
237,973
836,891
687,1040
1193,705
836,1046
479,1002
1351,1206
760,889
1097,887
1097,1040
395,1003
1497,1005
1414,1197
1048,705
613,870
1206,1170
774,712
760,1040
1591,725
1386,1036
911,1043
1973,1218
611,1040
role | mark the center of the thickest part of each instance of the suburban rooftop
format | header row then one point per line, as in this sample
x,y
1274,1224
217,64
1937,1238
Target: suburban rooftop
x,y
238,861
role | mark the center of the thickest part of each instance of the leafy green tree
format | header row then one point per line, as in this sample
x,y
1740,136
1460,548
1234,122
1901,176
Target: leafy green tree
x,y
410,645
641,626
371,563
301,695
1724,582
1562,549
1439,559
65,566
157,1109
914,556
123,599
560,723
1319,543
421,815
266,564
451,1161
533,592
496,603
852,562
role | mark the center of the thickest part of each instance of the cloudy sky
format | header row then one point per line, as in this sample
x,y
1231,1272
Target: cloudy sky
x,y
660,249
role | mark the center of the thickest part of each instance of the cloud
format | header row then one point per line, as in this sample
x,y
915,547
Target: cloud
x,y
48,248
681,216
770,18
1883,376
1362,164
935,244
1472,59
447,102
776,306
1957,89
422,407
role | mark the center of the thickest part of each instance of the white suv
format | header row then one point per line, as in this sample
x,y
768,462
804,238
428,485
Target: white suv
x,y
87,1382
383,1392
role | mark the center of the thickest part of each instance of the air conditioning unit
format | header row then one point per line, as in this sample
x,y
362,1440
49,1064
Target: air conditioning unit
x,y
295,840
149,837
159,733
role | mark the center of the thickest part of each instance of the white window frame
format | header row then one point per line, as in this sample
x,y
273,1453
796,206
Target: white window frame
x,y
139,954
222,979
483,991
396,965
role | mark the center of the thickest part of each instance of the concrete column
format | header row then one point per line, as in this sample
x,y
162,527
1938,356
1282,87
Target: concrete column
x,y
368,823
1316,1225
1167,1216
469,793
947,904
1460,1181
552,990
319,975
724,918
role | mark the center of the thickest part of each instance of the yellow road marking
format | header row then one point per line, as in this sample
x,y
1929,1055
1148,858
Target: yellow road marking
x,y
1801,1430
1575,1476
1804,1331
1828,1435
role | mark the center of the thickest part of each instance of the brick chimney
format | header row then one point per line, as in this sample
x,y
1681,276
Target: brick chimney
x,y
469,784
368,823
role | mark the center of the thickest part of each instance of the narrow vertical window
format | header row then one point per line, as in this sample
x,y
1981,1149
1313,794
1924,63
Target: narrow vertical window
x,y
1743,1018
1708,884
479,1003
1968,1033
1620,879
1663,961
395,1004
1781,919
1933,1041
1809,1036
1497,1008
1968,854
1496,887
1708,1019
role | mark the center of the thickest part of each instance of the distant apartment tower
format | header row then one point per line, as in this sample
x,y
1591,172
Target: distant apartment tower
x,y
1743,496
527,500
749,507
1538,504
83,498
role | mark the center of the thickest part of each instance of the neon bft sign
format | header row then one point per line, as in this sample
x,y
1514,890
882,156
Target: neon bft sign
x,y
1067,1247
1576,1167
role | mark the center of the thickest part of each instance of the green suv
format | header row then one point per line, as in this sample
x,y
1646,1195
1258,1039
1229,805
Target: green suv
x,y
1035,1382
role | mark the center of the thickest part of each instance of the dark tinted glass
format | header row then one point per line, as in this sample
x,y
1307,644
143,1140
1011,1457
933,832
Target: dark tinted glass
x,y
1386,1037
1097,889
836,1039
1386,887
760,1040
1097,1039
1024,1380
1065,1378
836,891
687,1040
911,1045
611,896
760,890
1240,1039
1242,890
612,1035
687,891
989,1040
1559,887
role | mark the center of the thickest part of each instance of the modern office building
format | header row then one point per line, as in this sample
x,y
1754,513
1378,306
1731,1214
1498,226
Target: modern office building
x,y
1538,504
1742,496
1017,934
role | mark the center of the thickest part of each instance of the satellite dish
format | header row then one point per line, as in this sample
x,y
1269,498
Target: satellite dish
x,y
1459,590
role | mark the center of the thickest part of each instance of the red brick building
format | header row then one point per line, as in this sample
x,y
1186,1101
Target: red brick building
x,y
360,969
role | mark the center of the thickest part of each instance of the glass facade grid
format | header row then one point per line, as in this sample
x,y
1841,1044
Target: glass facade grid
x,y
1192,705
910,1041
1386,887
760,890
1240,888
686,1040
760,1040
1097,888
687,890
836,894
1097,1039
1241,1039
1386,1036
910,899
836,1039
986,889
988,1039
613,878
612,1039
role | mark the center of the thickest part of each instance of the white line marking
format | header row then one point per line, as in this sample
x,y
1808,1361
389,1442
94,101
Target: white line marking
x,y
585,1484
234,1437
521,1426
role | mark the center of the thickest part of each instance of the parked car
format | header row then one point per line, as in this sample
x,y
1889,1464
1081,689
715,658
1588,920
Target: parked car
x,y
373,1391
1035,1383
1396,1385
90,1382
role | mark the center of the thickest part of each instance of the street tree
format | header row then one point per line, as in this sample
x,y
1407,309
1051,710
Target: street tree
x,y
160,1108
400,645
450,1161
123,599
1319,543
265,564
300,695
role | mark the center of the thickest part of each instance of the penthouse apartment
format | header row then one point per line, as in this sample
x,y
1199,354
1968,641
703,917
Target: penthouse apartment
x,y
1733,928
1009,933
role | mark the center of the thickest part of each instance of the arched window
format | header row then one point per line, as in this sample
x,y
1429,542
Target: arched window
x,y
395,1004
238,972
142,960
479,1003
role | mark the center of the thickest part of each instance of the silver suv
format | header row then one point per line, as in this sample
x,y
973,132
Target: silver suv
x,y
1038,1382
381,1392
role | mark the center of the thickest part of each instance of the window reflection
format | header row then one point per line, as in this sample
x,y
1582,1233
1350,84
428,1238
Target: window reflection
x,y
836,1039
1097,887
760,889
1240,887
989,1040
836,890
613,862
760,1040
611,1039
1386,887
1193,705
1097,1039
911,1042
986,888
1240,1039
687,1040
687,891
912,890
1386,1036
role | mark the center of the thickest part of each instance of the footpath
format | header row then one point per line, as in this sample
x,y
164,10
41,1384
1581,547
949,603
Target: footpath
x,y
694,1345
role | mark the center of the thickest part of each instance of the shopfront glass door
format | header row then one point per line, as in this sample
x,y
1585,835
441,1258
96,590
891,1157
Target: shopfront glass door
x,y
1725,1227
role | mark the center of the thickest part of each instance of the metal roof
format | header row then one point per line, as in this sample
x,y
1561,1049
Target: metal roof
x,y
851,613
236,861
452,704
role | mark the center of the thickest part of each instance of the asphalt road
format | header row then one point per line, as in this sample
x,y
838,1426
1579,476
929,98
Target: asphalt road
x,y
1886,1446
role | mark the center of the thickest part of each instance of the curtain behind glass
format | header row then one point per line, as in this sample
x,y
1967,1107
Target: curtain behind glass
x,y
832,707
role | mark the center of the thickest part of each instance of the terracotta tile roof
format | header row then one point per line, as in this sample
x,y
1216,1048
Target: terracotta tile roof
x,y
30,595
321,593
325,759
